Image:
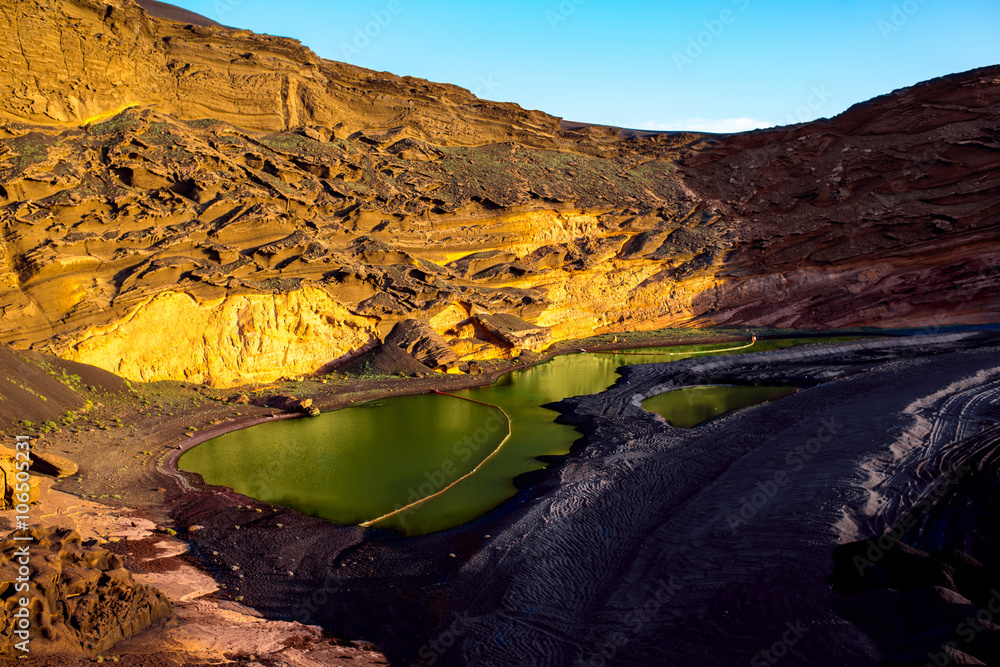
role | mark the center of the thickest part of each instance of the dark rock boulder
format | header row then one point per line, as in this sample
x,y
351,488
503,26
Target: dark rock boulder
x,y
287,403
386,359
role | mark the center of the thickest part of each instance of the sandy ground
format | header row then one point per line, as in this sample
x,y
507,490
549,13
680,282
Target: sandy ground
x,y
663,546
649,545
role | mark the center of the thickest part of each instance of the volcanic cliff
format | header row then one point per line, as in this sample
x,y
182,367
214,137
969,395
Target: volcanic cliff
x,y
195,202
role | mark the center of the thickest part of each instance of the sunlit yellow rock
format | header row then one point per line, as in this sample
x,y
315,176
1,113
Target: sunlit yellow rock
x,y
225,342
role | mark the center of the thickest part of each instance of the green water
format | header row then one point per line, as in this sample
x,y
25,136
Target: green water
x,y
359,463
693,406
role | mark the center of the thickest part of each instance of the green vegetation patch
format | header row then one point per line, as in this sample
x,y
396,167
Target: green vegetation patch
x,y
27,150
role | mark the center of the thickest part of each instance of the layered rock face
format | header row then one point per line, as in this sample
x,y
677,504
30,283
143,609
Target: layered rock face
x,y
168,249
90,58
261,212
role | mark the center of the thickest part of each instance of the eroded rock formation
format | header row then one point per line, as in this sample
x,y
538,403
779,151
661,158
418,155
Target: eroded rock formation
x,y
424,344
92,58
262,213
81,599
288,404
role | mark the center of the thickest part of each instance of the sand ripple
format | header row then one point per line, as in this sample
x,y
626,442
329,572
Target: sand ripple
x,y
665,546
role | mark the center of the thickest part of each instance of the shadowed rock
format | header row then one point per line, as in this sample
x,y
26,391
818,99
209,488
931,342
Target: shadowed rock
x,y
386,359
288,404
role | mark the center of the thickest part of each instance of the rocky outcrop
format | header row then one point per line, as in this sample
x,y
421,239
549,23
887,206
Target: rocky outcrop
x,y
15,493
261,212
386,359
82,601
514,331
48,463
888,213
203,227
225,341
71,61
420,341
288,404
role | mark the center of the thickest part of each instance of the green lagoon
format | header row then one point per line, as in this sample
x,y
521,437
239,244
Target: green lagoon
x,y
693,406
360,463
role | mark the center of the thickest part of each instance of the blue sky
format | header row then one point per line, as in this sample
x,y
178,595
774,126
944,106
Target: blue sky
x,y
720,65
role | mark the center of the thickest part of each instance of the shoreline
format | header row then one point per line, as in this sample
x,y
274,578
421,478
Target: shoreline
x,y
330,397
188,481
260,548
373,570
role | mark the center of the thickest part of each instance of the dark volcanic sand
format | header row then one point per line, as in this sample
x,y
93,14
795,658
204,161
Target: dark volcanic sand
x,y
631,552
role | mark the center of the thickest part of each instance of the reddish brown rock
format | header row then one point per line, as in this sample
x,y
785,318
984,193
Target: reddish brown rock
x,y
48,463
887,214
